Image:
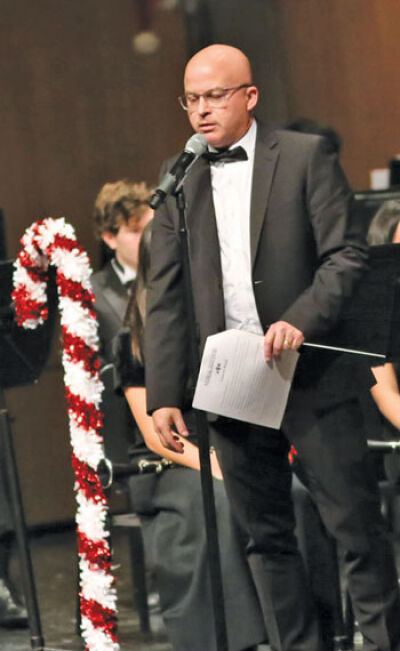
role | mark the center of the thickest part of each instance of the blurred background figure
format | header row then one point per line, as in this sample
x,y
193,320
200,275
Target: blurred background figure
x,y
121,212
306,125
13,613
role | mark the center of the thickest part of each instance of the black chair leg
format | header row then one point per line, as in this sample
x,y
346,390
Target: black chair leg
x,y
349,617
343,635
139,578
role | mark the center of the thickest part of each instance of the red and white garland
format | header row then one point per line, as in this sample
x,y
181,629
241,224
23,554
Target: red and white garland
x,y
53,242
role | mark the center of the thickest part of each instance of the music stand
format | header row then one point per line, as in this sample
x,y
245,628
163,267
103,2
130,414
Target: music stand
x,y
23,355
369,324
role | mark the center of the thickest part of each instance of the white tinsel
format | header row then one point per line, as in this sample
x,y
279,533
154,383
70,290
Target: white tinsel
x,y
90,518
97,585
52,227
35,289
97,640
81,383
91,515
87,444
74,265
79,321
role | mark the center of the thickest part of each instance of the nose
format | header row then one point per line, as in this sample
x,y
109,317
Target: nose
x,y
203,105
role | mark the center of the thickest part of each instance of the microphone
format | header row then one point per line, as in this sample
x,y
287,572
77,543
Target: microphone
x,y
172,180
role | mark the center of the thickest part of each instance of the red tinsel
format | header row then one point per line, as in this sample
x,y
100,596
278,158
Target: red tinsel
x,y
88,481
45,243
85,414
97,553
101,617
27,308
78,351
73,288
62,242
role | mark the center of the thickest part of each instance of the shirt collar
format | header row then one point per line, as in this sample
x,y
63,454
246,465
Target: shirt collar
x,y
124,273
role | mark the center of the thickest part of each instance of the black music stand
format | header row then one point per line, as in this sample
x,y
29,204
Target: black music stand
x,y
23,355
370,320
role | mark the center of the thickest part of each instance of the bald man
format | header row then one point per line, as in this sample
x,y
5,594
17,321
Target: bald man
x,y
275,251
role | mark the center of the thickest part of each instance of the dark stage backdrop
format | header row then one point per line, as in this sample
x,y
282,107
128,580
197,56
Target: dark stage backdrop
x,y
78,107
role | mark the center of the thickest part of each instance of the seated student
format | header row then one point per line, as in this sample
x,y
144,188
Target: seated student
x,y
170,506
121,212
385,229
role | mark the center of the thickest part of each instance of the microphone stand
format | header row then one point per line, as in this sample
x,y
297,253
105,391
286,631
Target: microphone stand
x,y
204,445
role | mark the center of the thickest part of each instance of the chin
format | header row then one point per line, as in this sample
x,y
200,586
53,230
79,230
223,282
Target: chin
x,y
215,141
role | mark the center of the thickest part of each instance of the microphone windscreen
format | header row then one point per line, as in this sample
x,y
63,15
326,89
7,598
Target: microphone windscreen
x,y
197,144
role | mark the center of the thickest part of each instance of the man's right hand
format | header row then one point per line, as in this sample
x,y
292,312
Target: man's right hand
x,y
168,422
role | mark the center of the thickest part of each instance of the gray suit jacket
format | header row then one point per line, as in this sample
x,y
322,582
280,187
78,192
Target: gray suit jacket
x,y
307,253
110,306
119,427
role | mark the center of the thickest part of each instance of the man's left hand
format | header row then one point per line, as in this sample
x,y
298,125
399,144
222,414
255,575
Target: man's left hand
x,y
281,336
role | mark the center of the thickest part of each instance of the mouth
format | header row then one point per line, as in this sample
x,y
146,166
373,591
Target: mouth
x,y
206,127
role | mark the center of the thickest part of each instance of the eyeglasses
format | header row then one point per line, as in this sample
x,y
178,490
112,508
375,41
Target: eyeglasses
x,y
215,98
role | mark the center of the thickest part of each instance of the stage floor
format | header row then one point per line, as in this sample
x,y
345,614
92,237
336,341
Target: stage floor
x,y
54,563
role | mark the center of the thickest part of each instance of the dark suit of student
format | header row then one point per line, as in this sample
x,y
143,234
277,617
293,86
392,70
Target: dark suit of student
x,y
307,254
111,303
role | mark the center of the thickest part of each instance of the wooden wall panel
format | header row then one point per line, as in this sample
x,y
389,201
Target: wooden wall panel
x,y
78,107
341,67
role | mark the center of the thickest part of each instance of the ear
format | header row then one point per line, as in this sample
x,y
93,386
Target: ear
x,y
252,98
109,239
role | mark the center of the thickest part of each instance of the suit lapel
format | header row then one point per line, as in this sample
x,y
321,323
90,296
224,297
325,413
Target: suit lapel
x,y
115,294
265,159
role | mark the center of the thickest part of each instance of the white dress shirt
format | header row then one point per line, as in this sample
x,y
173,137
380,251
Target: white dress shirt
x,y
231,184
125,274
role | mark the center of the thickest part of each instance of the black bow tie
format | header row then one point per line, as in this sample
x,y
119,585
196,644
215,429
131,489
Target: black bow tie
x,y
226,155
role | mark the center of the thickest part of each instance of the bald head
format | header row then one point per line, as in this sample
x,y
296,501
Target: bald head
x,y
229,61
223,71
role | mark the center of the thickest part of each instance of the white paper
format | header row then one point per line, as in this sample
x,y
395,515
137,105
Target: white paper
x,y
236,381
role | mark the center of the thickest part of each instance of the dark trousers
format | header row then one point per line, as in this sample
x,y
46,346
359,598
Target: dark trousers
x,y
334,453
171,510
319,554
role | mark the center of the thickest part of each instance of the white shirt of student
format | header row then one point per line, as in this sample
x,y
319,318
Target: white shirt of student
x,y
231,184
125,274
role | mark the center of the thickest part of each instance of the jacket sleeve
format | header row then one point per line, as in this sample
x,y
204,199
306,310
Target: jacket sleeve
x,y
166,333
341,248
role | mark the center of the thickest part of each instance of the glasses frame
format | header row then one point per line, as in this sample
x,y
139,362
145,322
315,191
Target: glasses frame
x,y
233,89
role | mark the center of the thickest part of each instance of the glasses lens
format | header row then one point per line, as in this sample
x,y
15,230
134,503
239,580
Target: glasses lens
x,y
182,101
216,97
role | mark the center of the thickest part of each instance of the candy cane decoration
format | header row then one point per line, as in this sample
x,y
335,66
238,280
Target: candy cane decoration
x,y
53,242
